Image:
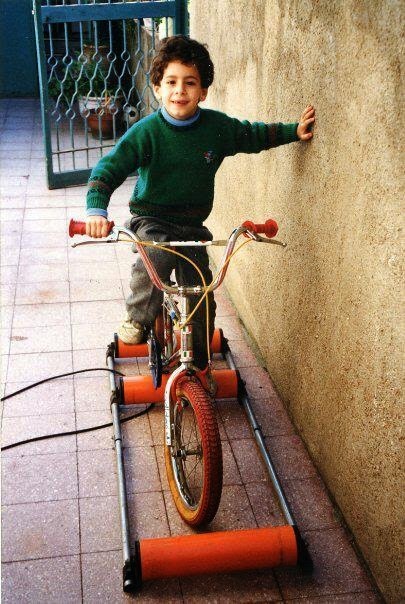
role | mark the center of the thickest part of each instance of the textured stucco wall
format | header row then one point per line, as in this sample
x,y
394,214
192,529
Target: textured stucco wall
x,y
324,312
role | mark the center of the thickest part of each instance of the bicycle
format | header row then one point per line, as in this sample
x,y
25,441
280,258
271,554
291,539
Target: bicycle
x,y
193,453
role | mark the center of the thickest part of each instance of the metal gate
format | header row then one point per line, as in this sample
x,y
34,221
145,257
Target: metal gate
x,y
94,58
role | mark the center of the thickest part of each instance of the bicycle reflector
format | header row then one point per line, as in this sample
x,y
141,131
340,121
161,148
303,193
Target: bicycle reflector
x,y
269,228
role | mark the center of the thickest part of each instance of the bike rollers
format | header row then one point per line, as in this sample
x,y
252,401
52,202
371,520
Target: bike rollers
x,y
201,553
125,351
219,552
139,389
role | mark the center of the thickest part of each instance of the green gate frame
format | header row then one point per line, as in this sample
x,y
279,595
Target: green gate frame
x,y
52,14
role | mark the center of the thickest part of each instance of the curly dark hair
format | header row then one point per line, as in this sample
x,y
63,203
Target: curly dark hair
x,y
187,51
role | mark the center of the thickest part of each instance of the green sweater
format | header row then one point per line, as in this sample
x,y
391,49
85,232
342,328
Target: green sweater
x,y
177,164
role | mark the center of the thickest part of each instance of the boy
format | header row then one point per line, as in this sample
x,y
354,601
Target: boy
x,y
177,152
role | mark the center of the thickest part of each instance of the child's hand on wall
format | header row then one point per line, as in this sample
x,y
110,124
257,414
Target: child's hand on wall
x,y
307,120
96,226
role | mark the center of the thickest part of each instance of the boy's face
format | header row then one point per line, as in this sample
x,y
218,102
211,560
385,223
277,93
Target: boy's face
x,y
180,90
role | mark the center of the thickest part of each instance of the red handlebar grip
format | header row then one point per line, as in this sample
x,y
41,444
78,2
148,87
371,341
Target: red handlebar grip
x,y
76,227
269,228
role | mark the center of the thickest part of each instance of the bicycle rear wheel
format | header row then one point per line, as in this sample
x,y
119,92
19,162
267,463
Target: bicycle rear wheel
x,y
194,461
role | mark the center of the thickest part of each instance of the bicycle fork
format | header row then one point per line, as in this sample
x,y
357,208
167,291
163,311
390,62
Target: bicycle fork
x,y
186,359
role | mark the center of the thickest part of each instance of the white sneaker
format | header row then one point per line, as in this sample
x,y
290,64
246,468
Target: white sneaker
x,y
130,332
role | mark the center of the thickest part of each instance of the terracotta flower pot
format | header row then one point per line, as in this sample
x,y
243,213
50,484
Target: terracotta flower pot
x,y
101,121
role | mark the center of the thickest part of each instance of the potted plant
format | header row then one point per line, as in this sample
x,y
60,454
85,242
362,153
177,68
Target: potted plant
x,y
90,85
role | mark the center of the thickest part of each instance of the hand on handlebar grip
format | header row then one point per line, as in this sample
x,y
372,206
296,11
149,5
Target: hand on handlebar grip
x,y
76,227
269,228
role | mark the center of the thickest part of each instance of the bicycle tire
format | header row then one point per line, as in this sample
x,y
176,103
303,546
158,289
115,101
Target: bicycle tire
x,y
155,361
197,500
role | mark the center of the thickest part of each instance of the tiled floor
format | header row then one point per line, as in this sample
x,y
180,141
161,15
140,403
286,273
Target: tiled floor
x,y
60,524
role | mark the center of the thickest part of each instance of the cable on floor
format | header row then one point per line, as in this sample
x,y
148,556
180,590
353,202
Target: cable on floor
x,y
72,432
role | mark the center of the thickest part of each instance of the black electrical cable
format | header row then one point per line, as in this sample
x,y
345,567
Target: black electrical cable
x,y
54,377
81,431
36,438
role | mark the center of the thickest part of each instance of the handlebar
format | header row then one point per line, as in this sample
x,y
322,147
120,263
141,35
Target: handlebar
x,y
248,228
269,228
76,227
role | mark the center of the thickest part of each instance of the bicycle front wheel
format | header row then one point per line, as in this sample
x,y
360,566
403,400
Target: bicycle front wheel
x,y
194,460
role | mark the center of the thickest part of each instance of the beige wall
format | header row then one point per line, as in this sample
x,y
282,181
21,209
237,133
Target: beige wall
x,y
324,312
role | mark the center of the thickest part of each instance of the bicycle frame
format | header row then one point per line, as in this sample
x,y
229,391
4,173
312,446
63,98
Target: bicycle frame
x,y
267,547
184,293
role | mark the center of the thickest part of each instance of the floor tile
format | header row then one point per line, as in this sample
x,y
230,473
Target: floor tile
x,y
336,568
43,255
92,393
7,293
231,327
12,202
91,253
44,202
102,582
48,477
44,239
38,273
147,515
13,214
290,457
258,382
156,422
365,597
249,460
49,292
105,311
96,289
230,469
97,439
4,360
8,274
30,367
93,335
16,429
265,506
97,473
44,315
100,527
45,399
141,469
136,432
90,359
100,520
45,226
311,504
10,240
44,581
50,214
160,460
234,419
88,272
40,339
5,335
6,316
252,586
234,513
225,308
272,416
40,530
9,257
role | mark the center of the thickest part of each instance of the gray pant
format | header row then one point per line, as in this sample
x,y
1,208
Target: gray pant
x,y
145,300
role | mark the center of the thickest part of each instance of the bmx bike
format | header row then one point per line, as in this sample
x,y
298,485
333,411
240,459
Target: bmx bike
x,y
192,445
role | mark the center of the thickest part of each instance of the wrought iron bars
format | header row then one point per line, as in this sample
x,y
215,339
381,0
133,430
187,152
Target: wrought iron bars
x,y
94,60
